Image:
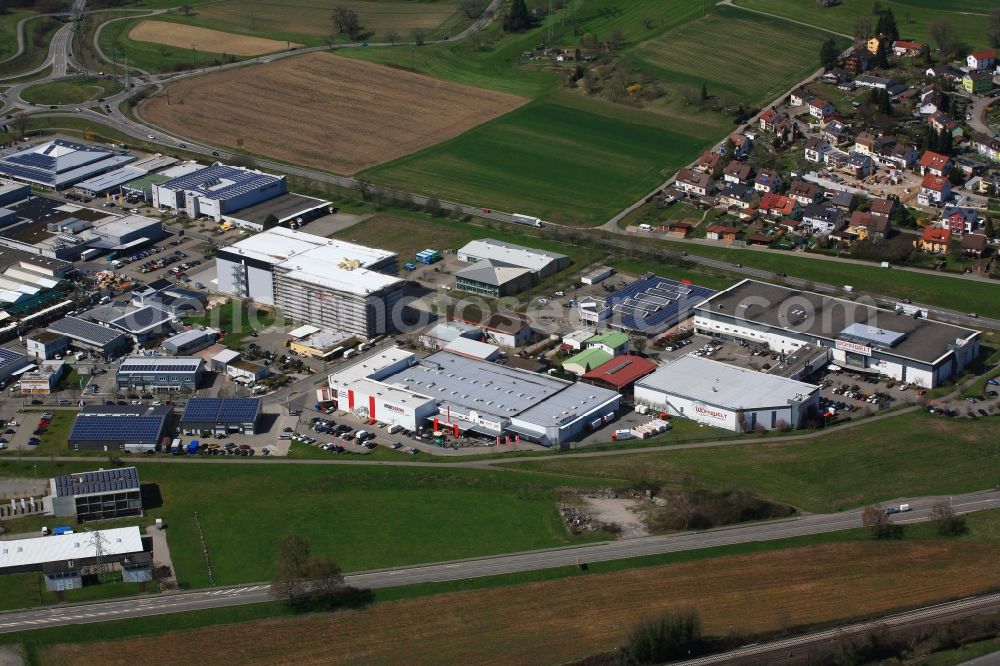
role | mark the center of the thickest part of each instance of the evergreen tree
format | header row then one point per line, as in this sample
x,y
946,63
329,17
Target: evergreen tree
x,y
988,228
884,102
945,102
828,54
886,26
518,18
704,92
945,142
882,53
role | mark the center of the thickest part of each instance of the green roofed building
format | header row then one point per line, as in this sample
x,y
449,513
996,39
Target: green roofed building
x,y
143,187
613,342
587,360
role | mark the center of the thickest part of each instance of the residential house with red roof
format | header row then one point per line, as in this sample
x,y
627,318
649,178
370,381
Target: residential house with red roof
x,y
865,225
934,190
710,162
906,49
934,240
820,108
979,60
779,206
934,163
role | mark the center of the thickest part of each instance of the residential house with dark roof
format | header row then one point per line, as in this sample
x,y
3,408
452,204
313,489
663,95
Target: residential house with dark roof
x,y
737,172
900,156
737,195
882,208
767,181
973,245
722,232
946,72
805,192
835,132
823,219
816,149
978,82
987,146
867,226
960,220
742,144
845,201
694,182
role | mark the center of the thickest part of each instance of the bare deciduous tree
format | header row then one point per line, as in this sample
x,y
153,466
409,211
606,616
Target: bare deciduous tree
x,y
393,37
942,31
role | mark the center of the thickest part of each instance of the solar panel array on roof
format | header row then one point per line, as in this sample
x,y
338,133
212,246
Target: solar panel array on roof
x,y
81,329
649,302
243,181
221,410
9,356
101,481
112,427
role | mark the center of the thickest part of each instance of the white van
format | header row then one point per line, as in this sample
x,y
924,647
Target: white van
x,y
646,227
394,428
350,352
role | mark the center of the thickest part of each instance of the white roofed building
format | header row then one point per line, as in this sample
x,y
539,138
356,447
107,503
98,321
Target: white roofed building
x,y
325,282
727,396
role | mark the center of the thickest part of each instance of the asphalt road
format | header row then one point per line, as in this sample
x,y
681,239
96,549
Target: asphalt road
x,y
85,613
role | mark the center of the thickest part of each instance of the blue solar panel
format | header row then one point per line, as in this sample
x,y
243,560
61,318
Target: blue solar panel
x,y
647,303
9,355
116,427
221,410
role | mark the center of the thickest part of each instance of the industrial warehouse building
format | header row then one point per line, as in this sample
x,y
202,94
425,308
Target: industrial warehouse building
x,y
217,190
134,428
470,396
287,210
46,344
100,495
13,192
727,396
124,233
649,306
504,269
858,337
104,341
59,163
160,373
64,558
321,281
620,373
189,342
222,415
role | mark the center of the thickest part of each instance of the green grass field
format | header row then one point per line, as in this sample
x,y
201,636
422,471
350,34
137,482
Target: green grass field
x,y
28,591
236,320
564,164
691,55
363,517
69,92
912,16
910,454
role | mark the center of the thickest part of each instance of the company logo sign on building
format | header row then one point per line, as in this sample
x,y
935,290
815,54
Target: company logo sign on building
x,y
854,347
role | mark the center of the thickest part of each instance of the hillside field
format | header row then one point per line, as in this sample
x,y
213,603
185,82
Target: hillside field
x,y
912,16
551,625
337,114
566,164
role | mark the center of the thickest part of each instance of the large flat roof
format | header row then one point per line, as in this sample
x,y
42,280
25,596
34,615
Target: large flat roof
x,y
511,254
108,180
716,383
283,207
371,365
499,390
816,316
81,329
76,546
160,364
278,245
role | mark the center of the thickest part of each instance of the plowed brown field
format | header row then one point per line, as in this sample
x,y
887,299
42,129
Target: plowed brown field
x,y
324,111
204,39
553,622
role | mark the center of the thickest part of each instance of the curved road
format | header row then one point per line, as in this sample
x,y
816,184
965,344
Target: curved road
x,y
159,604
